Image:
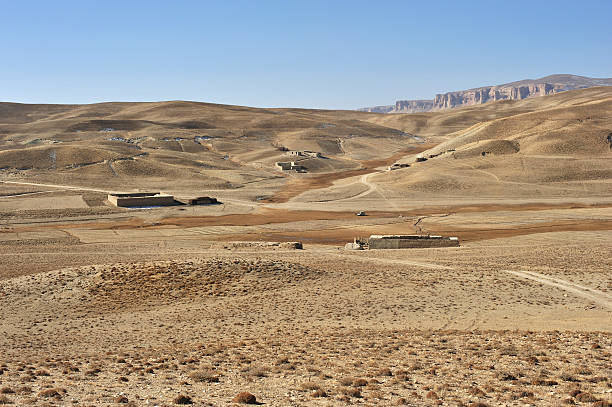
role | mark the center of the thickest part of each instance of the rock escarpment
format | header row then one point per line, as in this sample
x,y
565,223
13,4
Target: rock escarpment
x,y
510,91
493,93
413,106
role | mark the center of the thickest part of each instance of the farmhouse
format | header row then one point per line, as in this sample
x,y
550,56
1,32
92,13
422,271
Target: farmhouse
x,y
137,199
397,166
402,242
291,166
410,241
306,153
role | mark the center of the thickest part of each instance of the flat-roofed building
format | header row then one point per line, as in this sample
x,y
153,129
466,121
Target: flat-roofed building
x,y
137,199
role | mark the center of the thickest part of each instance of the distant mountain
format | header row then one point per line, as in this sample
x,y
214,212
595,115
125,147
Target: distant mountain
x,y
526,88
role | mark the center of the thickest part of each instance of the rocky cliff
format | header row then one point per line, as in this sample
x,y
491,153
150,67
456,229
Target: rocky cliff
x,y
493,93
510,91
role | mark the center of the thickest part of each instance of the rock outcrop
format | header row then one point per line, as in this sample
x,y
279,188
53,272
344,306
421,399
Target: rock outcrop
x,y
413,106
510,91
492,94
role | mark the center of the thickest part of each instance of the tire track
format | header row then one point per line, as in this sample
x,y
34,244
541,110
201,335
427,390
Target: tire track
x,y
592,294
598,297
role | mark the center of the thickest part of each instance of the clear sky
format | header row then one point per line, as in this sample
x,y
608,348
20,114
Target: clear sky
x,y
326,54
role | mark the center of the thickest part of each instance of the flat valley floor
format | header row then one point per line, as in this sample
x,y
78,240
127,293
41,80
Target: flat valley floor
x,y
103,306
152,307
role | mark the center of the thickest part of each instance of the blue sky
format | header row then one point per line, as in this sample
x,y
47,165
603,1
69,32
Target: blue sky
x,y
319,54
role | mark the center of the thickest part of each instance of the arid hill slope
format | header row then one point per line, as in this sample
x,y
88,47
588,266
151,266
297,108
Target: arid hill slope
x,y
561,141
562,148
133,145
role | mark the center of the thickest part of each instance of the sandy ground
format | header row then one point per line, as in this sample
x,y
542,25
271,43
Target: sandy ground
x,y
97,313
194,305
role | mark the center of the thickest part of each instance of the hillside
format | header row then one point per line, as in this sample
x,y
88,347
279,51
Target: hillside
x,y
561,148
550,146
197,145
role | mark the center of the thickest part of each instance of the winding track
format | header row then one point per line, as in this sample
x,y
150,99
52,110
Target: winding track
x,y
599,297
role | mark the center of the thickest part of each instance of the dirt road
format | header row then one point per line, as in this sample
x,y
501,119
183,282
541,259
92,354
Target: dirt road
x,y
598,297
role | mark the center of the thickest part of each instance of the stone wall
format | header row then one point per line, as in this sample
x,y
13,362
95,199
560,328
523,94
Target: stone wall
x,y
386,243
132,201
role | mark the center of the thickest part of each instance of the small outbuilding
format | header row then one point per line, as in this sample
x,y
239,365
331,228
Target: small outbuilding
x,y
203,200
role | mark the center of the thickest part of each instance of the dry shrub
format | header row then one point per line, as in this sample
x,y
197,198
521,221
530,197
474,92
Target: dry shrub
x,y
257,371
384,372
351,392
318,393
182,399
245,398
475,391
120,399
377,395
586,398
431,395
346,381
568,377
522,394
204,376
6,390
53,392
282,361
504,376
93,372
4,399
309,386
543,382
602,403
360,382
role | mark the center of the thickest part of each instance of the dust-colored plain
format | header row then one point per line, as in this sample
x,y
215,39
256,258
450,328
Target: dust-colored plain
x,y
101,305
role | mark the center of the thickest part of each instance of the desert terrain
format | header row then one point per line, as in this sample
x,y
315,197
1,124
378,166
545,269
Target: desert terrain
x,y
161,306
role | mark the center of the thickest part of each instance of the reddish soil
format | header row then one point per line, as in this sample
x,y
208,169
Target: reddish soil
x,y
343,235
267,216
296,187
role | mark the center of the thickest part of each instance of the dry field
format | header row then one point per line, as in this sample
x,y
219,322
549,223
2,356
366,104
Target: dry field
x,y
103,306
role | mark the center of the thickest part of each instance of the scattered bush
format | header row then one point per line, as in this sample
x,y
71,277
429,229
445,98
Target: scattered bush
x,y
245,398
318,393
475,391
360,382
586,398
182,399
351,392
385,372
53,392
431,395
204,376
309,386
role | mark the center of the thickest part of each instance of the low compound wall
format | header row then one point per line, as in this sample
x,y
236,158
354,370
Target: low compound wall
x,y
411,242
130,201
